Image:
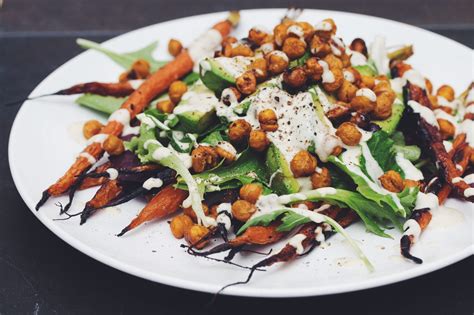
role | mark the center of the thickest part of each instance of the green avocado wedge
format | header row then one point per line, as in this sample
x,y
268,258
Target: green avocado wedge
x,y
281,180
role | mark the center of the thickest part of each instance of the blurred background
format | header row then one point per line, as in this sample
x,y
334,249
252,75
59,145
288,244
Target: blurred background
x,y
40,274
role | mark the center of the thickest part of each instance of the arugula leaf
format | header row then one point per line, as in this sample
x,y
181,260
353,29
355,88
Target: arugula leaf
x,y
103,104
125,60
262,220
381,148
291,220
213,138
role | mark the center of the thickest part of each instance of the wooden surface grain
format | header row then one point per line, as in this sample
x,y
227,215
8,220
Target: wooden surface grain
x,y
40,274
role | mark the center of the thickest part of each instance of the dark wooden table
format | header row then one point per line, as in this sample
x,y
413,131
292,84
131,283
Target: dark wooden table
x,y
40,274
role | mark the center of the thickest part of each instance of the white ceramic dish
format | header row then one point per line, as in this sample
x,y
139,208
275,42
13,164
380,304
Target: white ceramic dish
x,y
45,138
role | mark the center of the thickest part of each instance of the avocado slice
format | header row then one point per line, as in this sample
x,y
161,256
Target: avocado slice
x,y
390,124
196,111
221,72
366,70
282,180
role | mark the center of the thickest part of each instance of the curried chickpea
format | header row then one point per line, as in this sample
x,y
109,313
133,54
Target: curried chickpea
x,y
241,50
349,133
383,87
113,145
319,47
383,106
242,210
303,164
294,47
174,47
392,181
277,61
367,82
429,86
257,36
91,128
195,236
204,158
362,104
258,140
268,120
246,83
358,44
280,32
165,106
447,92
239,131
259,68
446,128
141,68
308,30
295,78
336,83
345,59
321,179
346,92
177,90
352,75
326,28
180,224
411,183
333,62
313,69
190,212
250,192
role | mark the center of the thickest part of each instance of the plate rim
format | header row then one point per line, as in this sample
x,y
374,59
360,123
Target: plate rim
x,y
209,288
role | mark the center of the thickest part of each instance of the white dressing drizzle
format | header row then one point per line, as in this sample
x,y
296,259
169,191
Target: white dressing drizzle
x,y
425,113
297,242
410,171
357,59
113,173
415,78
204,46
122,116
411,227
152,182
98,138
224,213
367,93
469,179
89,157
327,76
441,114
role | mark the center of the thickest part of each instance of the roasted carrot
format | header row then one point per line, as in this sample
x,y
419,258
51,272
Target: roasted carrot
x,y
95,181
423,218
118,89
156,84
167,201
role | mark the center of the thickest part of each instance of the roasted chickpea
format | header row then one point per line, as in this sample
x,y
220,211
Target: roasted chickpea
x,y
336,83
241,50
446,128
204,158
410,183
333,62
195,236
399,68
124,76
345,59
303,164
346,92
295,78
358,44
294,47
308,30
190,212
362,104
257,36
429,86
447,92
177,90
239,131
313,69
349,133
258,140
367,82
141,68
280,32
338,112
179,224
319,47
277,61
383,106
174,47
433,100
325,29
321,178
242,210
268,120
246,83
226,151
113,145
250,192
259,68
352,75
392,181
91,128
165,106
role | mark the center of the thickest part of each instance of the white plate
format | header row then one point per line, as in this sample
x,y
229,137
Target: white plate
x,y
44,142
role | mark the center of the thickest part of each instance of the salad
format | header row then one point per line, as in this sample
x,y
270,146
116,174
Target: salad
x,y
288,134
